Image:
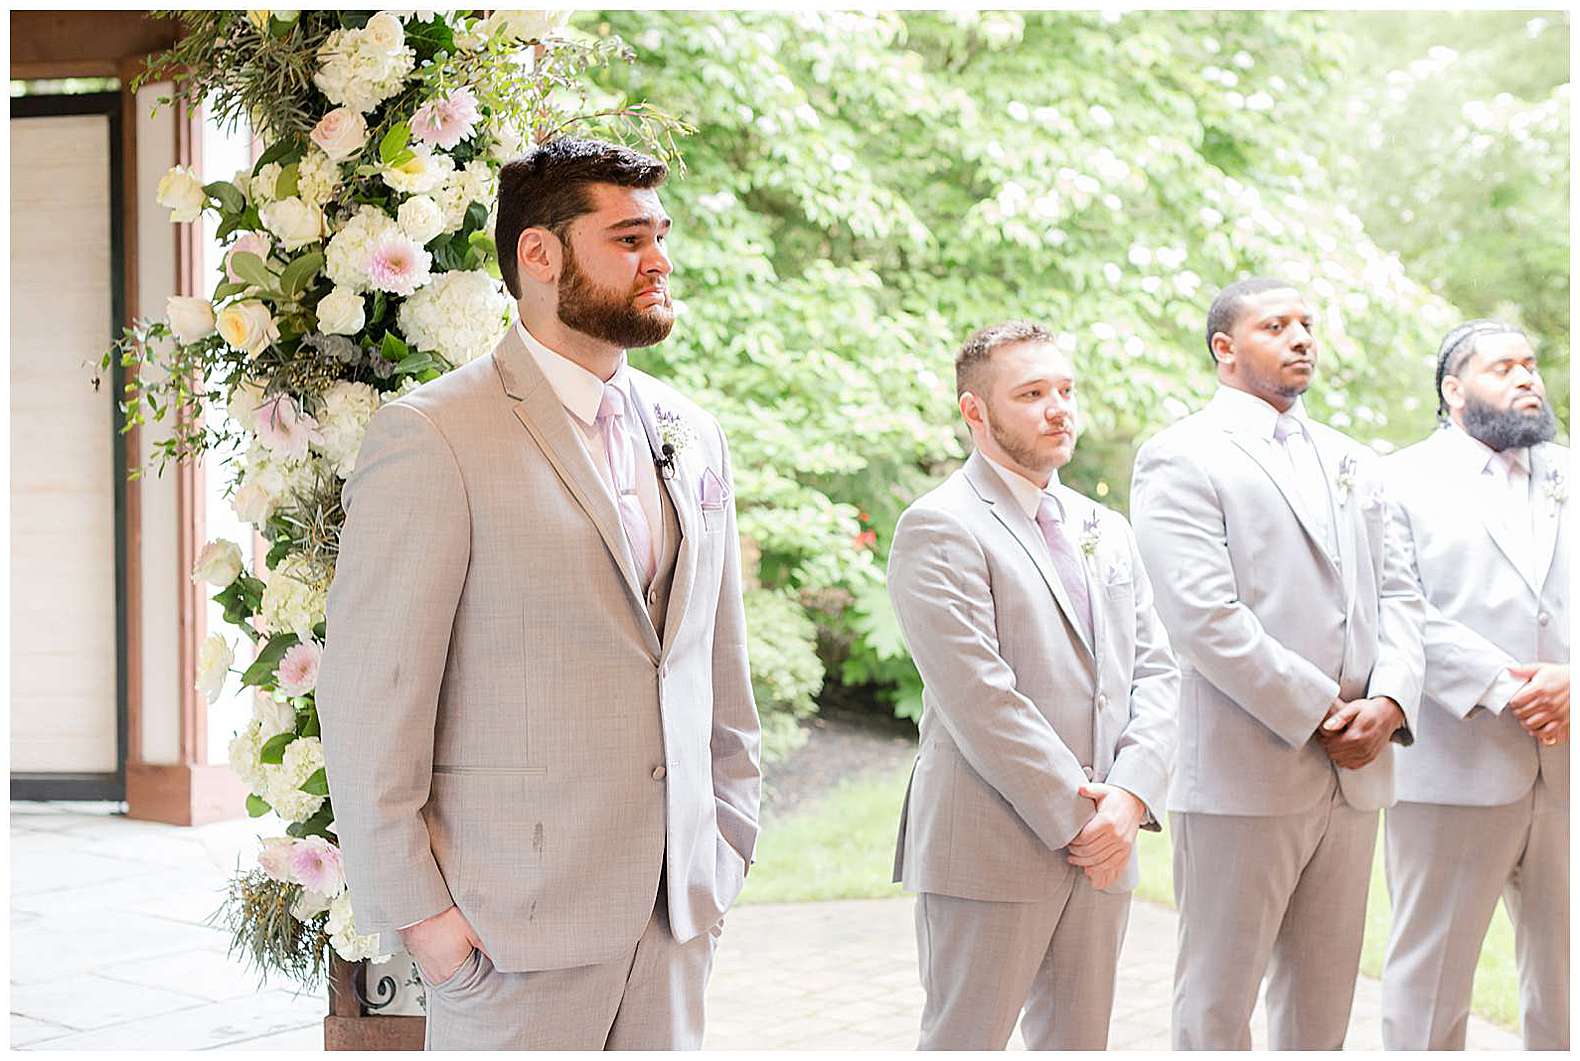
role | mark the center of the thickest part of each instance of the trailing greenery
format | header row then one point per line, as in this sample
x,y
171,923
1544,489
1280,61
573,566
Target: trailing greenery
x,y
263,933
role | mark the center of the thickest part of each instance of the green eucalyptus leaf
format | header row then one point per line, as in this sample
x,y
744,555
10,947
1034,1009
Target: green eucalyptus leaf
x,y
290,177
394,142
252,270
296,276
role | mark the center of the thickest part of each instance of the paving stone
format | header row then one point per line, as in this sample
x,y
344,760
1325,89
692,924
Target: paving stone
x,y
202,1027
25,1031
83,1003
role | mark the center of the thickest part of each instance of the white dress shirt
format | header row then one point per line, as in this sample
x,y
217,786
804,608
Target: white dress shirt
x,y
581,393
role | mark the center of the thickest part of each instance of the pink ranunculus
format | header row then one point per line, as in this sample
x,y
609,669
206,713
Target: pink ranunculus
x,y
315,865
298,671
398,264
247,243
284,429
446,122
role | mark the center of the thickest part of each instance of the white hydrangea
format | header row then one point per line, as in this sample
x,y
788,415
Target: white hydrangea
x,y
346,258
263,185
361,68
343,415
472,184
245,747
294,598
268,482
343,935
459,316
317,177
407,385
303,757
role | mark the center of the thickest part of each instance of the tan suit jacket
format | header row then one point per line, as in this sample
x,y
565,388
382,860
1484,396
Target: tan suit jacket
x,y
504,726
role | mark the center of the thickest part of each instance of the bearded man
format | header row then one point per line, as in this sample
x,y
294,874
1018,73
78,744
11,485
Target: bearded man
x,y
1048,716
1484,792
537,714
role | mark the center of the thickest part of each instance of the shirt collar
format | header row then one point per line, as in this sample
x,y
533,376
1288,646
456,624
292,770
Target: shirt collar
x,y
1251,414
1479,457
1028,495
580,391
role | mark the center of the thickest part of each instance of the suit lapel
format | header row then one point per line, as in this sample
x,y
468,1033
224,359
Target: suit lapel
x,y
541,413
1547,513
686,558
1348,522
1494,519
991,489
1260,450
1079,508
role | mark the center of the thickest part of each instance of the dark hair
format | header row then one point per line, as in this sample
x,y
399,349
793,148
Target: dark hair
x,y
1458,346
547,188
975,354
1228,306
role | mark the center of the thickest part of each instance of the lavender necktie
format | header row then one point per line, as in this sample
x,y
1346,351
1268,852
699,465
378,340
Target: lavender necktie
x,y
622,479
1065,562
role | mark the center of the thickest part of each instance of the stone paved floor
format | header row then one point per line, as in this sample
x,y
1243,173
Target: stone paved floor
x,y
109,950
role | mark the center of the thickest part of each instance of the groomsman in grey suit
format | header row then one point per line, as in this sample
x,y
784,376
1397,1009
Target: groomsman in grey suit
x,y
1484,791
536,708
1298,632
1048,720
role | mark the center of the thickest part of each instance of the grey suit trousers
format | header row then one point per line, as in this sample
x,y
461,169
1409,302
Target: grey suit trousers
x,y
981,962
648,999
1446,868
1281,895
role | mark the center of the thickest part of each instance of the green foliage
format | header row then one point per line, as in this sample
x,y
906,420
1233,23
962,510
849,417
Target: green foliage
x,y
865,189
786,671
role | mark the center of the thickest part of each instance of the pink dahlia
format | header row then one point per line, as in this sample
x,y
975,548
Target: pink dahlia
x,y
446,122
315,865
298,671
284,429
398,264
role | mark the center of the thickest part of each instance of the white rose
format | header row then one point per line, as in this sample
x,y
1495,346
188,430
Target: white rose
x,y
272,716
218,564
423,172
341,133
190,318
295,222
214,660
525,25
253,504
341,312
309,905
420,218
183,193
383,34
248,326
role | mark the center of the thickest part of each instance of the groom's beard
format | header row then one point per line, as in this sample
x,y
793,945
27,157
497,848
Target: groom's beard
x,y
1501,429
608,315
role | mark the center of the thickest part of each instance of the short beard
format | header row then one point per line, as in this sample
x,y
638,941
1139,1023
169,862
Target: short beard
x,y
1501,429
1023,454
605,315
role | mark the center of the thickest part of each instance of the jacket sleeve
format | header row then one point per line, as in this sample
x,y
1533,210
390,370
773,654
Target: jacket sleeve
x,y
1183,539
1145,752
737,734
1400,666
404,551
938,581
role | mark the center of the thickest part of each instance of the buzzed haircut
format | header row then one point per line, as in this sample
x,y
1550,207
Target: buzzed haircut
x,y
975,355
1458,346
547,188
1229,306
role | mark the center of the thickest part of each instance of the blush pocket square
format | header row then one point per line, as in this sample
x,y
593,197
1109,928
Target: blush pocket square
x,y
712,493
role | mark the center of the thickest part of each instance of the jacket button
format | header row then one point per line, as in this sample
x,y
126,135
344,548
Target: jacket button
x,y
658,773
1544,618
1102,701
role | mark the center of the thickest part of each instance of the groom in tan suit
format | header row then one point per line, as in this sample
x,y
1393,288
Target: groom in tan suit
x,y
536,708
1048,717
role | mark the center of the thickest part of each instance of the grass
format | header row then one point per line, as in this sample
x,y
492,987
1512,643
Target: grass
x,y
841,846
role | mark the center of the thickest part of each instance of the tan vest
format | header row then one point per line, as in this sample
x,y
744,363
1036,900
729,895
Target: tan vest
x,y
664,575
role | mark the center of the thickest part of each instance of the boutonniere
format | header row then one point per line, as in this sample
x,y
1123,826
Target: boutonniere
x,y
674,435
1555,489
1344,482
1091,537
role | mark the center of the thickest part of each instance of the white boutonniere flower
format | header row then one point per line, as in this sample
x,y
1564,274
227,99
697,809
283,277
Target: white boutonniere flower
x,y
1091,538
1344,482
674,435
1555,489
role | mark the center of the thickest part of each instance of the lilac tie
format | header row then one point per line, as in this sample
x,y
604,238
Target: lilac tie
x,y
622,479
1065,562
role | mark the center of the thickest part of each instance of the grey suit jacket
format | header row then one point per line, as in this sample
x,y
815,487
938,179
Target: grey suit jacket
x,y
502,725
1483,613
1018,709
1267,625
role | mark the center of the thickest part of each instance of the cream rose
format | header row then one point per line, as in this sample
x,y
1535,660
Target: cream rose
x,y
420,218
218,564
248,326
341,133
190,318
183,193
214,660
295,222
384,34
341,312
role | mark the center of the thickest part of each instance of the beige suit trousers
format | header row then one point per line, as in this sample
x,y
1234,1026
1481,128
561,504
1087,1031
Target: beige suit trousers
x,y
981,962
1446,868
1281,895
648,999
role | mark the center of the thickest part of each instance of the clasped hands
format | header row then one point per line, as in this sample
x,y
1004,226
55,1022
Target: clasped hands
x,y
1354,732
441,943
1542,703
1102,847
